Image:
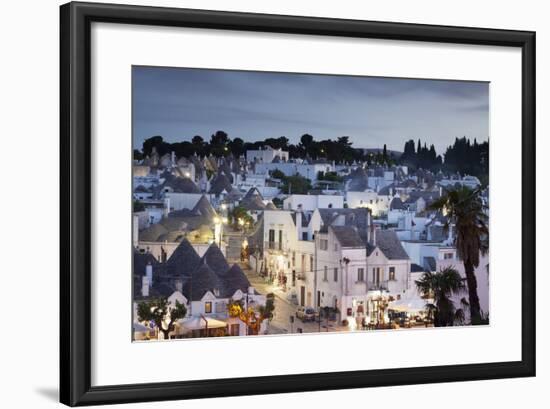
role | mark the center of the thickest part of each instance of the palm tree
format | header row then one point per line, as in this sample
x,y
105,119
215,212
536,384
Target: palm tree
x,y
465,209
441,286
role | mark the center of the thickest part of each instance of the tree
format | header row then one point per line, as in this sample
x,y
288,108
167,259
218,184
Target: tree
x,y
277,174
241,213
199,146
441,286
138,155
329,176
160,312
465,209
138,206
218,144
306,140
236,146
155,142
251,317
296,184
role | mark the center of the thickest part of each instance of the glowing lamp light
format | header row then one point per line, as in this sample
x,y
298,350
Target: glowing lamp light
x,y
224,206
217,220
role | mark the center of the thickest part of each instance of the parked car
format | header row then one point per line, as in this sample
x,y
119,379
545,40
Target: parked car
x,y
306,314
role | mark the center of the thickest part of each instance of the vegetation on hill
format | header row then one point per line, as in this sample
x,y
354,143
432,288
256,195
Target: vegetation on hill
x,y
464,156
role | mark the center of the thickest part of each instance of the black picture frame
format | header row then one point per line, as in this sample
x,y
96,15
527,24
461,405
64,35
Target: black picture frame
x,y
76,199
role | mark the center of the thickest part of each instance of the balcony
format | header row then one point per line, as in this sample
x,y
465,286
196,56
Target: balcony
x,y
382,285
275,246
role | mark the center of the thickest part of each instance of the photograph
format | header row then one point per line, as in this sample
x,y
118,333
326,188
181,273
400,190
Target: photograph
x,y
275,203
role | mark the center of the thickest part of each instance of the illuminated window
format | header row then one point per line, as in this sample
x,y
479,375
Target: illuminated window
x,y
392,273
207,307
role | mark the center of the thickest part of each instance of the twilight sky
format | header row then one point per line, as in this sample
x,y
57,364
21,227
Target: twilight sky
x,y
178,103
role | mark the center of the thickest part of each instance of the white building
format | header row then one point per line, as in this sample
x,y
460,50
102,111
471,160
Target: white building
x,y
309,171
352,275
312,202
437,256
378,204
266,155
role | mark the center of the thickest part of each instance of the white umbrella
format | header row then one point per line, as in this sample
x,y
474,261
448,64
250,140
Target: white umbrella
x,y
408,305
140,327
200,323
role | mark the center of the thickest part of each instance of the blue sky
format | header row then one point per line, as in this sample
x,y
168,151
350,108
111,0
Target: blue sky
x,y
178,103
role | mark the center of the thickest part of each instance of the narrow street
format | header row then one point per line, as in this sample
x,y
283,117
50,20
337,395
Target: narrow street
x,y
284,309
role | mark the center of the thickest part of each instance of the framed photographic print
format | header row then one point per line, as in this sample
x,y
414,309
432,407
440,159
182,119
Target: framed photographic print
x,y
264,204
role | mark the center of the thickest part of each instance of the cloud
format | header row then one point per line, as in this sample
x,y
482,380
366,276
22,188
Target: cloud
x,y
179,103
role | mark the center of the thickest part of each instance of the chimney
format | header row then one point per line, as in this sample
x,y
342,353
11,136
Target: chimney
x,y
372,234
179,286
299,221
149,272
145,286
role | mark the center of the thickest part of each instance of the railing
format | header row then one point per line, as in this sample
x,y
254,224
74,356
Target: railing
x,y
382,285
274,245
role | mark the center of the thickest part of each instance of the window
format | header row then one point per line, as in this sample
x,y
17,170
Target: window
x,y
271,235
392,273
323,244
293,258
311,263
221,307
325,274
335,246
207,307
448,256
304,235
336,274
360,274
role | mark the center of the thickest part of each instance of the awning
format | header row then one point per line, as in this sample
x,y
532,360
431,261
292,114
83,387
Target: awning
x,y
200,323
